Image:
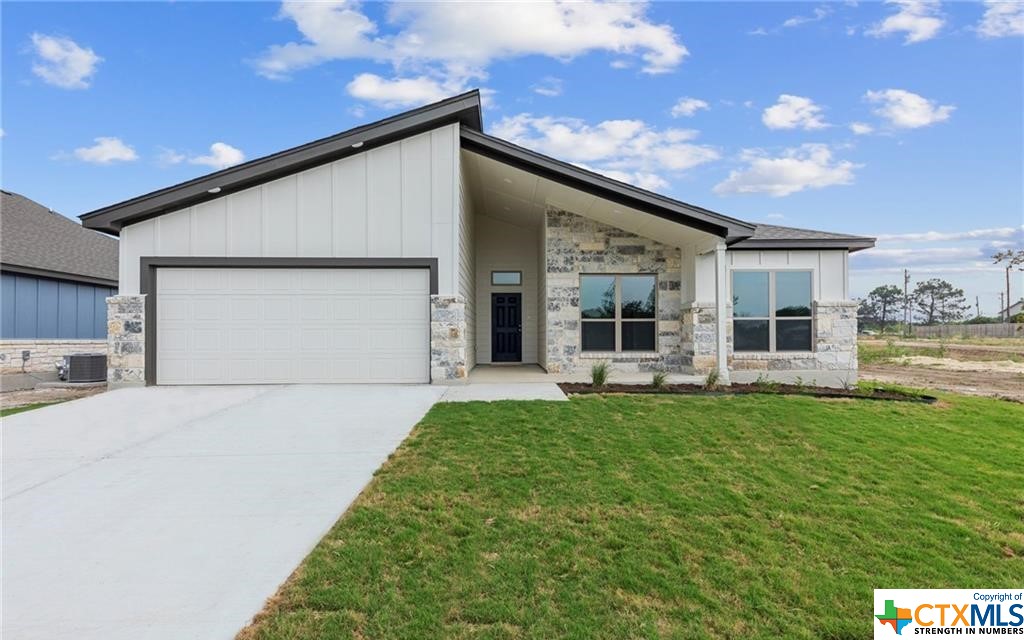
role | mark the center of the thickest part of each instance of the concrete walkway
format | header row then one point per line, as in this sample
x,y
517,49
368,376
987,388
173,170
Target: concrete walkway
x,y
174,512
489,392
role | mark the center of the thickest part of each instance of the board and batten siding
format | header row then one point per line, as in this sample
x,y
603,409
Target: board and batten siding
x,y
47,309
829,266
398,200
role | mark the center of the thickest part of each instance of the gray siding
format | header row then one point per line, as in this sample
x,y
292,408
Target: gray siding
x,y
41,308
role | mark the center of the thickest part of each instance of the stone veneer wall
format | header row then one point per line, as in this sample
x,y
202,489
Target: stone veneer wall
x,y
835,347
126,341
43,353
698,336
448,348
576,245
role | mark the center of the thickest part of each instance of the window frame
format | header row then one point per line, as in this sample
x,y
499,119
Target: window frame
x,y
771,317
503,284
617,319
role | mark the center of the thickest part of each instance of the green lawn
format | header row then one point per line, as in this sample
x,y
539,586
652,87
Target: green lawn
x,y
666,517
10,411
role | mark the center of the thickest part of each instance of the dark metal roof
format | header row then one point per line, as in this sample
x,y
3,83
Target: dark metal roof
x,y
605,187
37,241
464,109
770,236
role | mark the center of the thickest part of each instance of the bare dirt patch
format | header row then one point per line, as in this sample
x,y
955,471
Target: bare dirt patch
x,y
977,382
11,399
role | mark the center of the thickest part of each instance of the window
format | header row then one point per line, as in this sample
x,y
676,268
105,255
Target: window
x,y
617,313
771,310
510,278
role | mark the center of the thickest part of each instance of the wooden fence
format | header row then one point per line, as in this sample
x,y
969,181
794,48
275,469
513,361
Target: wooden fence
x,y
1004,330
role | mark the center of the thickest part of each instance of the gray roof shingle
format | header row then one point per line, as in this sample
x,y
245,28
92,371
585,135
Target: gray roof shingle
x,y
34,237
767,236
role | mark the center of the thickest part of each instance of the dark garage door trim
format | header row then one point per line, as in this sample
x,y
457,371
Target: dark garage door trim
x,y
149,265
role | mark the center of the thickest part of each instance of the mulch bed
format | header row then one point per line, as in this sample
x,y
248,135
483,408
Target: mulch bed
x,y
741,389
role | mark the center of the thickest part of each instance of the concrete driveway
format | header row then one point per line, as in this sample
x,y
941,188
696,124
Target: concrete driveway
x,y
174,512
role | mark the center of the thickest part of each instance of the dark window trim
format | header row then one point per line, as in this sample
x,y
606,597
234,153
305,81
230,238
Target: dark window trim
x,y
771,317
148,266
495,284
618,320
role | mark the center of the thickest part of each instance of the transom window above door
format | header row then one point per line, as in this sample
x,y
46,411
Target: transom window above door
x,y
507,278
771,310
619,312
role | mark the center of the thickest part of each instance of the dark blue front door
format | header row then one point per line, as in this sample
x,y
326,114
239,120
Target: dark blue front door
x,y
506,327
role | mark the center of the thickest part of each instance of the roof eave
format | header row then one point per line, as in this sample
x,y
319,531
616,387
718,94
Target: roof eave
x,y
463,109
604,187
57,275
850,244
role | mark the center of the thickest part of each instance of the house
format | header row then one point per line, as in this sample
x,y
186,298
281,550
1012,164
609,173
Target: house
x,y
55,277
1013,309
417,248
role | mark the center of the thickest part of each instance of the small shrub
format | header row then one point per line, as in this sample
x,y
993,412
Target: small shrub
x,y
766,384
599,374
800,384
659,379
711,381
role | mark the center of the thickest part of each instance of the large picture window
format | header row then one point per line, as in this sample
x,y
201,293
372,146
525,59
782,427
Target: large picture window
x,y
771,310
618,312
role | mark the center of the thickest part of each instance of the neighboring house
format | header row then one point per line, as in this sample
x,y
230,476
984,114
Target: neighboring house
x,y
55,277
418,247
1015,308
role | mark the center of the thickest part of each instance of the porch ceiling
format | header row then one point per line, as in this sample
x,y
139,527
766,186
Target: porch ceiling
x,y
518,197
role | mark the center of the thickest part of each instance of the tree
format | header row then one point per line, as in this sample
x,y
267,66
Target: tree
x,y
882,304
1013,259
938,302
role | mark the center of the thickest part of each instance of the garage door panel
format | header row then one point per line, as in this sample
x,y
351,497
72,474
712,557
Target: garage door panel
x,y
248,326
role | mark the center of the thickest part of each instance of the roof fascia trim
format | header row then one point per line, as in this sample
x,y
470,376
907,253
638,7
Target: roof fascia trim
x,y
56,275
851,244
463,109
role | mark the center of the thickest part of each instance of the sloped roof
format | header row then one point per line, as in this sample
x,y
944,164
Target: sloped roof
x,y
771,236
464,109
36,240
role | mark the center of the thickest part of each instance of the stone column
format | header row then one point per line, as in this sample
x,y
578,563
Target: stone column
x,y
447,339
835,337
698,336
126,341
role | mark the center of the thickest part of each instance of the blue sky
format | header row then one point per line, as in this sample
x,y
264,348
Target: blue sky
x,y
900,120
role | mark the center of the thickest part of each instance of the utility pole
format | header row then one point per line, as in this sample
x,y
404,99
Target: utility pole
x,y
906,302
1005,318
977,307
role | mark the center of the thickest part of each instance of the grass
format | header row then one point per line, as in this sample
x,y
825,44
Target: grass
x,y
10,411
666,517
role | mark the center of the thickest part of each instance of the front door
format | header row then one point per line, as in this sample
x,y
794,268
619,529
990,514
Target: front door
x,y
506,327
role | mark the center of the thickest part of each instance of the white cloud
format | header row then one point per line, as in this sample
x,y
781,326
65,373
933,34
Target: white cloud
x,y
819,13
1001,19
399,92
687,107
793,112
906,110
861,128
759,31
454,48
105,151
548,86
2,133
775,216
62,62
995,233
221,156
628,150
809,166
920,20
168,157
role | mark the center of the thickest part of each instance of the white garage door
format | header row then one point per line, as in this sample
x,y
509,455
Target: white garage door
x,y
266,326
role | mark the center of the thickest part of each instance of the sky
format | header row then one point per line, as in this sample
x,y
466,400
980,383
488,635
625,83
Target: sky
x,y
899,120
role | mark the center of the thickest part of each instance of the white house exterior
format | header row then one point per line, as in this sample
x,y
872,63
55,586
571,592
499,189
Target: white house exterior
x,y
417,248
